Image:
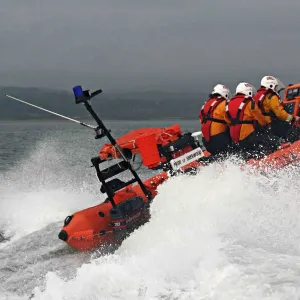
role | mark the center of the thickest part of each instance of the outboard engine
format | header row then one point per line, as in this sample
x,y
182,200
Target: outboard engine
x,y
127,216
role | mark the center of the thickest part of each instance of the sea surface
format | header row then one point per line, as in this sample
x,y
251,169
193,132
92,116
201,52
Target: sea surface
x,y
225,233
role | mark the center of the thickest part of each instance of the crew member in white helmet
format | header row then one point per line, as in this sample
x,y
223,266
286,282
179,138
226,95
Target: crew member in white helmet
x,y
269,102
215,131
242,116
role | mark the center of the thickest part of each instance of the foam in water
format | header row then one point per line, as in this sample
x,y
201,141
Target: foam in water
x,y
26,212
42,190
223,234
36,195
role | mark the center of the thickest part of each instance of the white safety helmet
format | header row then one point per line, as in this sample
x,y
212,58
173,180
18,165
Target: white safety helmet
x,y
222,90
246,89
273,83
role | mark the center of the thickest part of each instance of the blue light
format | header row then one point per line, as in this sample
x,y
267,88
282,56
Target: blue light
x,y
77,90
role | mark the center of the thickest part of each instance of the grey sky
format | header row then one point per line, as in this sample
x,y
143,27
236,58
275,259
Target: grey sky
x,y
166,44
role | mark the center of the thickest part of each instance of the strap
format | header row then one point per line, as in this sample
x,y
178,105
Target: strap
x,y
236,120
213,106
261,101
272,93
262,97
205,119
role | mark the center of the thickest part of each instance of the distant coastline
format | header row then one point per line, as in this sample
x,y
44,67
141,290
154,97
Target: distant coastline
x,y
149,105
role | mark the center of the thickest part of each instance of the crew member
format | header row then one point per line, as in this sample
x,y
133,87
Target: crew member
x,y
242,115
215,131
268,100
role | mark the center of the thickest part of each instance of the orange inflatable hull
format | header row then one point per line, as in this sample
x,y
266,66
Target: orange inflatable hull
x,y
289,154
84,229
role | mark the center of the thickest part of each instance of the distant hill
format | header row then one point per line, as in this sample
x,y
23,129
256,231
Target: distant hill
x,y
129,106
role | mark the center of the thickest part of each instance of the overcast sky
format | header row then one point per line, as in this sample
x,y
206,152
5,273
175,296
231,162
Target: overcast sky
x,y
148,44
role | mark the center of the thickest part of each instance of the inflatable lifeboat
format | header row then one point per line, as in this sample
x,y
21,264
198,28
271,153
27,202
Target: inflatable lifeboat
x,y
127,205
167,149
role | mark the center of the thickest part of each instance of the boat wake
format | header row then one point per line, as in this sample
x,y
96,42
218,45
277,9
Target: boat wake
x,y
222,234
41,190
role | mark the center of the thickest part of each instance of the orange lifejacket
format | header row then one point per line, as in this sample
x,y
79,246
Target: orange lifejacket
x,y
260,97
235,112
206,115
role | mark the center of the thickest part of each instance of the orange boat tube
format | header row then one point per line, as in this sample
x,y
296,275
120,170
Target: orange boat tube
x,y
93,227
288,154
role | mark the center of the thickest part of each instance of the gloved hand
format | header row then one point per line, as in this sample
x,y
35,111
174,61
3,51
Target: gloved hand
x,y
295,120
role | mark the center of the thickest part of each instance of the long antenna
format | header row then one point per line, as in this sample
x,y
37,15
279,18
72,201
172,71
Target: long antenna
x,y
101,130
53,113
